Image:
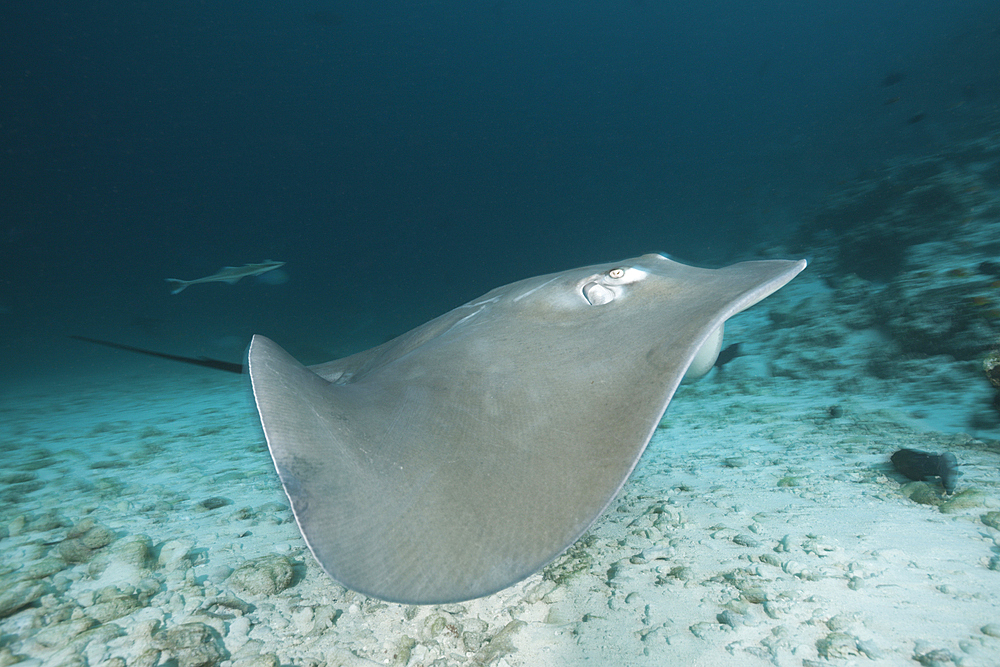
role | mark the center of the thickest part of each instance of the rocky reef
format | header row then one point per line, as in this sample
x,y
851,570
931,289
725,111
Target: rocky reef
x,y
991,366
912,251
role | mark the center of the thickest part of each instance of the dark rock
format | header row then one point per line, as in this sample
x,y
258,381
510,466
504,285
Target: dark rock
x,y
214,503
921,466
991,366
988,268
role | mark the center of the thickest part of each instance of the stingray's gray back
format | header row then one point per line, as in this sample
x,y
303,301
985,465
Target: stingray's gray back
x,y
463,456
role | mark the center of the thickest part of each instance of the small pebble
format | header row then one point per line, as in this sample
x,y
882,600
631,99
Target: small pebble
x,y
991,629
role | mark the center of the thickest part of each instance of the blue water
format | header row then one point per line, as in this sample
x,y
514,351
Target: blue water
x,y
404,157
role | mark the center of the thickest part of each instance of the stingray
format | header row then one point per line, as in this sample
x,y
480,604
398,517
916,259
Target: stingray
x,y
463,456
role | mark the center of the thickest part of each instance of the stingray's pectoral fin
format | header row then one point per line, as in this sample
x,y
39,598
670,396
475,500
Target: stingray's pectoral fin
x,y
348,498
337,493
386,501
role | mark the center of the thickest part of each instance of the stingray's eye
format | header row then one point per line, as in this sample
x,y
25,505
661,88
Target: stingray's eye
x,y
616,273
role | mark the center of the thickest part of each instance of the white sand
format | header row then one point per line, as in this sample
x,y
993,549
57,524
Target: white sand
x,y
758,529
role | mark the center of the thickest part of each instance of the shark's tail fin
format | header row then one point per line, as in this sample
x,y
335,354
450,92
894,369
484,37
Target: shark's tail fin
x,y
176,286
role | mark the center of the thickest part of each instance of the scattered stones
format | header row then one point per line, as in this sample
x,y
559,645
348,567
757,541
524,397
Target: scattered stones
x,y
745,540
18,477
403,650
771,559
324,617
921,492
148,658
434,625
273,507
226,606
777,608
991,366
83,540
96,537
341,657
966,499
501,644
474,633
101,634
40,459
705,630
107,464
157,506
47,521
16,526
40,569
58,634
871,651
730,618
133,550
237,636
8,657
191,645
678,572
837,645
264,660
173,553
576,561
111,603
936,658
73,551
242,514
213,503
20,595
263,576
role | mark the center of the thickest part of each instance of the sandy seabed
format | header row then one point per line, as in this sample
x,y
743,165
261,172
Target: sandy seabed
x,y
141,523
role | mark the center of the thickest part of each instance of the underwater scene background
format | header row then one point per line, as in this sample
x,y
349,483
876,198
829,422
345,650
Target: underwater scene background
x,y
405,158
